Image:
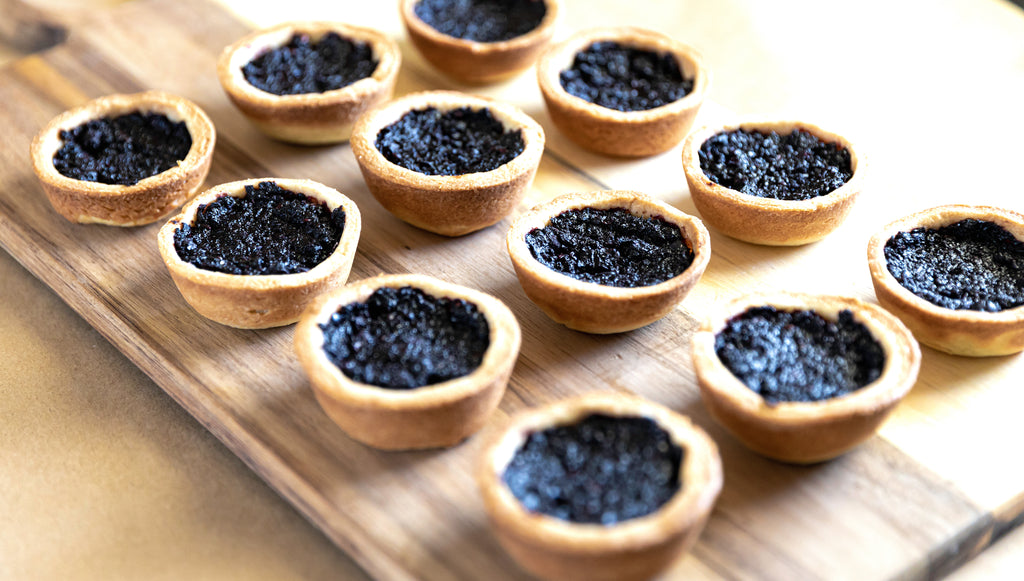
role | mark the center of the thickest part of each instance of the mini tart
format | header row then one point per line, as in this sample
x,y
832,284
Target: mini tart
x,y
960,332
308,118
260,301
767,220
433,416
143,202
621,133
805,432
598,308
477,63
638,548
447,205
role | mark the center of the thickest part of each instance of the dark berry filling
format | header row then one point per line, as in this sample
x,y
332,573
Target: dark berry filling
x,y
482,20
122,150
405,338
972,264
269,230
600,470
450,143
797,166
307,66
611,247
788,356
625,79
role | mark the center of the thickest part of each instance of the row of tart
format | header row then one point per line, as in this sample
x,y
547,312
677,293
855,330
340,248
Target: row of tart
x,y
446,413
329,116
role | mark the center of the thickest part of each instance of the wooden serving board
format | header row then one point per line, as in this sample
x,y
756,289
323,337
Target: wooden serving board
x,y
915,502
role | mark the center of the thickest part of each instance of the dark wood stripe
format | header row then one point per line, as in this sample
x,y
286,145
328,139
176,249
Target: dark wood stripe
x,y
576,170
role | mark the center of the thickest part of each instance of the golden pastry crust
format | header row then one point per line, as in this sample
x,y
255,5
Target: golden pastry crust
x,y
447,205
260,301
806,432
639,548
621,133
597,308
309,118
478,63
148,199
960,332
766,220
432,416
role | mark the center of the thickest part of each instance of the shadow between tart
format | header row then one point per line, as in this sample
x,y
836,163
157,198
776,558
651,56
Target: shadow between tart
x,y
268,300
805,432
478,63
447,205
432,416
308,118
638,548
769,221
959,332
597,308
143,202
621,133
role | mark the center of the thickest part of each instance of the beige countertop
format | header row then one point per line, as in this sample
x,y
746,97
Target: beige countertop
x,y
104,476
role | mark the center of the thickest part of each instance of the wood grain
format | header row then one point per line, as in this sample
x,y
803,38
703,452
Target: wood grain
x,y
879,512
28,29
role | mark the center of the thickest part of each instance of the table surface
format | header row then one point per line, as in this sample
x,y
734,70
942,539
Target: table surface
x,y
105,476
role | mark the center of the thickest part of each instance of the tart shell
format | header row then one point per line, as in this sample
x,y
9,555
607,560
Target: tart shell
x,y
477,63
143,202
597,308
766,220
806,432
432,416
447,205
960,332
308,118
260,301
638,548
621,133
